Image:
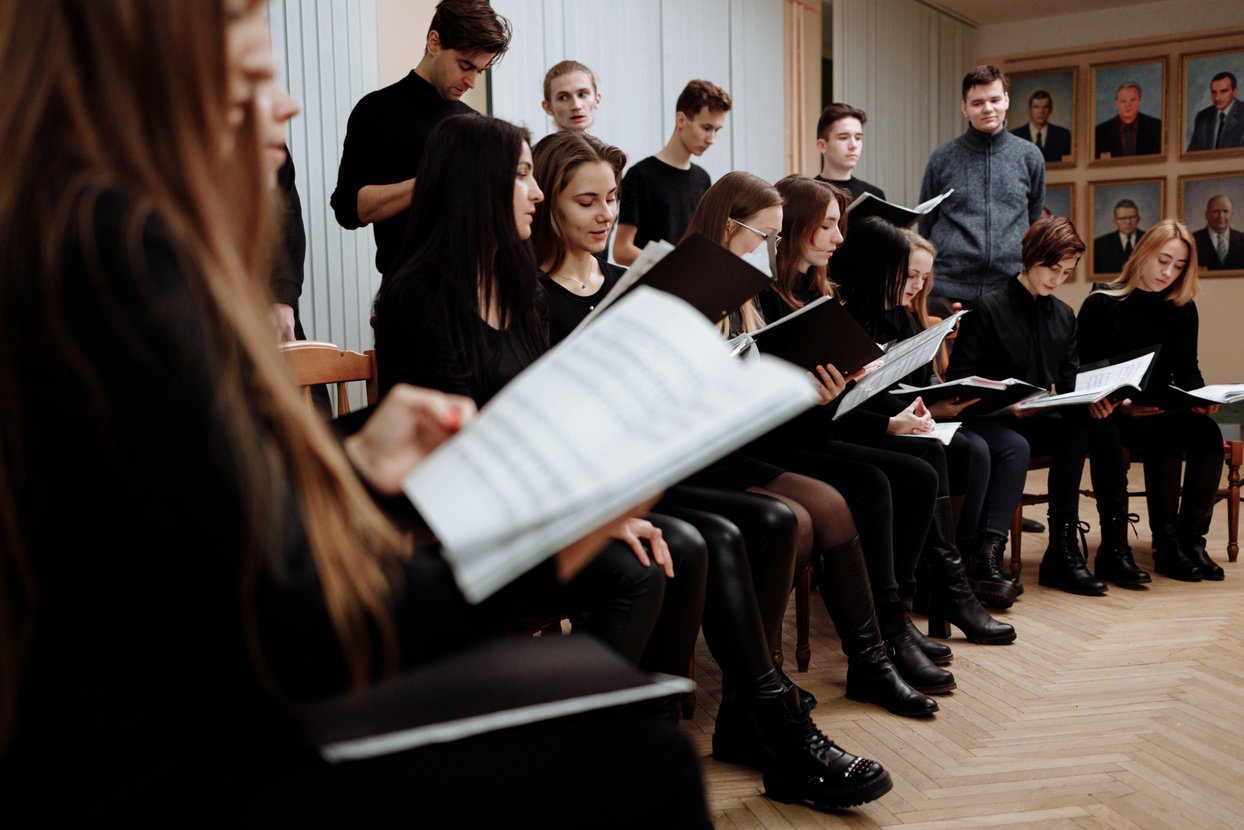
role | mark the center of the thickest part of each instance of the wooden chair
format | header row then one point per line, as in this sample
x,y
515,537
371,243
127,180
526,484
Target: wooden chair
x,y
803,596
315,362
1233,454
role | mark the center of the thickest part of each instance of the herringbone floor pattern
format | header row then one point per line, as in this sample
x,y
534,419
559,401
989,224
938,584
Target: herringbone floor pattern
x,y
1123,711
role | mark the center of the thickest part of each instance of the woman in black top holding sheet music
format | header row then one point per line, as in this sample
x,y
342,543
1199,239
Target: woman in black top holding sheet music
x,y
746,215
1022,331
246,566
1156,306
892,494
580,175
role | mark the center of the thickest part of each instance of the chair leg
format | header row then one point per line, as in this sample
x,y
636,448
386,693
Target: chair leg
x,y
803,592
1017,537
1235,455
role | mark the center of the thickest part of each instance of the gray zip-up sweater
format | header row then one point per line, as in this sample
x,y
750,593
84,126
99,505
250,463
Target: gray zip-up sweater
x,y
999,183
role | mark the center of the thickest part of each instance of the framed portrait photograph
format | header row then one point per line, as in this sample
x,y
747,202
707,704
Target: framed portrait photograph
x,y
1207,205
1119,214
1060,200
1126,102
1212,112
1043,111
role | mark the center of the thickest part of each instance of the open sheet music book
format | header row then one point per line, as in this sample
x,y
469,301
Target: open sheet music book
x,y
821,332
641,399
1172,397
698,271
994,395
943,431
869,205
1093,385
901,360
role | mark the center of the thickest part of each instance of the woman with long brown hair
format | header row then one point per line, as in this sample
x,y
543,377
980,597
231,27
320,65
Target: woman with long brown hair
x,y
187,549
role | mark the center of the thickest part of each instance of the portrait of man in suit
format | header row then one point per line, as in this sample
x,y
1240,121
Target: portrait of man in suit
x,y
1219,247
1053,141
1221,124
1131,132
1111,250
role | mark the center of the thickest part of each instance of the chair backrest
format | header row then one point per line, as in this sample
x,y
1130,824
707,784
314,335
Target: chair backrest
x,y
315,363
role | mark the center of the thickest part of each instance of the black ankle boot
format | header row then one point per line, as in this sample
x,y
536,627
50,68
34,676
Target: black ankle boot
x,y
985,574
1169,557
735,739
842,579
938,653
1114,560
1193,545
806,699
952,600
801,765
1063,565
913,665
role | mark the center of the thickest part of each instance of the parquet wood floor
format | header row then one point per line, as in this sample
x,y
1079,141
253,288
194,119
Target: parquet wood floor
x,y
1123,711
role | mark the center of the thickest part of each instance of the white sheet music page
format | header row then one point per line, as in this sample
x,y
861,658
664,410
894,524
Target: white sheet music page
x,y
638,401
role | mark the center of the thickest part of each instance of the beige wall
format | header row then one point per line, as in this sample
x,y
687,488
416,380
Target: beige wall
x,y
1221,298
402,29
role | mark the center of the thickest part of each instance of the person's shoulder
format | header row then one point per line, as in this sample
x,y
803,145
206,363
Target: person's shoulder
x,y
1203,233
1099,301
699,174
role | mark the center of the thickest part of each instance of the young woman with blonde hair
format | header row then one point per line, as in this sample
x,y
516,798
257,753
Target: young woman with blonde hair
x,y
1156,306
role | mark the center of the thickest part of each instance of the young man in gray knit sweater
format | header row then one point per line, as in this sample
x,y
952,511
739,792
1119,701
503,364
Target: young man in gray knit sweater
x,y
999,183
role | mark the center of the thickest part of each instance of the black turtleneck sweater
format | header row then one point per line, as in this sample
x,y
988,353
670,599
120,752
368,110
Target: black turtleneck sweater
x,y
1012,334
1111,326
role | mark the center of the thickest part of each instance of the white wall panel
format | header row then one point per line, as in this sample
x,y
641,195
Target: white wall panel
x,y
644,52
902,63
326,56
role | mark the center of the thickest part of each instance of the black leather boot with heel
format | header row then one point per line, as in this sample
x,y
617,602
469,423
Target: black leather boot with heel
x,y
842,579
985,575
951,599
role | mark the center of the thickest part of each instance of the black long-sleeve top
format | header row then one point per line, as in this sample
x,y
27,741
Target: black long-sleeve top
x,y
385,139
1111,326
1011,333
417,344
140,694
567,309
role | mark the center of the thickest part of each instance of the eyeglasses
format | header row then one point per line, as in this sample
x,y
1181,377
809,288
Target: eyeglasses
x,y
777,237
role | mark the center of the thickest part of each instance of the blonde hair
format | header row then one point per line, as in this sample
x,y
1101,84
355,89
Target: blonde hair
x,y
1185,287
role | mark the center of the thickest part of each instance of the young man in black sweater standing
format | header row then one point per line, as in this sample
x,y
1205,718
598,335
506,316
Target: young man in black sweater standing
x,y
388,128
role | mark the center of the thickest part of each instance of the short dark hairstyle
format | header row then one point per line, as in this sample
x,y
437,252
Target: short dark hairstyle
x,y
1041,95
836,112
1230,76
471,26
1049,241
1127,203
697,95
984,76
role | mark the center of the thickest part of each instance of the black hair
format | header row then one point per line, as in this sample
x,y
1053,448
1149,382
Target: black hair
x,y
462,237
869,268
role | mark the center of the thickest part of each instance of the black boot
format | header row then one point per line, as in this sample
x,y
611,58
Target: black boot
x,y
912,663
985,574
1063,565
1196,511
1170,559
806,699
842,579
952,600
735,739
801,765
938,653
1114,560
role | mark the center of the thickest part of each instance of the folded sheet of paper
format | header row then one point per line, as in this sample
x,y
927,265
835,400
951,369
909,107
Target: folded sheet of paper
x,y
644,397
